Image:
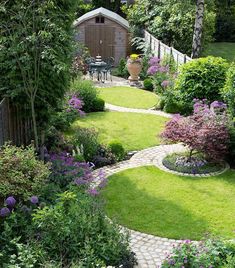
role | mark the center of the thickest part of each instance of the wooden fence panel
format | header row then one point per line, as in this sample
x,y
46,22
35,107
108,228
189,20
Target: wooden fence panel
x,y
14,125
160,50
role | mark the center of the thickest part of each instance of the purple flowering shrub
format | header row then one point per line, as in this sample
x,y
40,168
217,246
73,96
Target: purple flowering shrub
x,y
65,170
206,131
205,254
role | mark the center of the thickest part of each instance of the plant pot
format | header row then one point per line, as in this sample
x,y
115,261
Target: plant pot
x,y
134,68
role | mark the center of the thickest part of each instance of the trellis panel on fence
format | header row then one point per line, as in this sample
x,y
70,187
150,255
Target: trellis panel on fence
x,y
14,125
160,50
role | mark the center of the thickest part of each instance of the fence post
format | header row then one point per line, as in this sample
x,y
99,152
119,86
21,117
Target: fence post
x,y
185,58
159,50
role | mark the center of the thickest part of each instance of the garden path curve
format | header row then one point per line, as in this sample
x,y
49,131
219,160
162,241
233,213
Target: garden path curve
x,y
112,107
150,250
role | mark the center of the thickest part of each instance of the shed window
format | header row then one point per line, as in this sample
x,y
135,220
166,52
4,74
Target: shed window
x,y
99,19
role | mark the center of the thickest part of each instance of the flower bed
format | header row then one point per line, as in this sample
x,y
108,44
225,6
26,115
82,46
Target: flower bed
x,y
196,165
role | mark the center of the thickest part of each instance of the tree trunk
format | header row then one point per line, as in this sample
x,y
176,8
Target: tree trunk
x,y
35,131
197,36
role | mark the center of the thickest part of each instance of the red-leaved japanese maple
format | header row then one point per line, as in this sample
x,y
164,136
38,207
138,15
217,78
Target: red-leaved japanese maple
x,y
205,131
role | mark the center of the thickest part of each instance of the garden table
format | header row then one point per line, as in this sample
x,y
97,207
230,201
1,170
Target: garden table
x,y
98,68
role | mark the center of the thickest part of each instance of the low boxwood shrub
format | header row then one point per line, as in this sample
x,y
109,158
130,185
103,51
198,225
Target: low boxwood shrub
x,y
148,84
202,79
117,149
22,174
104,157
98,105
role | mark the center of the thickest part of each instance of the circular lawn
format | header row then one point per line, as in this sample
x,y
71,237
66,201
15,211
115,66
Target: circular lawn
x,y
129,97
163,204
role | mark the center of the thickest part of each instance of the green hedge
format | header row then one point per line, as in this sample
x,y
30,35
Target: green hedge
x,y
202,79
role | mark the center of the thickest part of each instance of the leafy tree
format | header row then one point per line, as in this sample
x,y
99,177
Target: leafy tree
x,y
172,21
109,4
225,21
205,131
36,48
85,6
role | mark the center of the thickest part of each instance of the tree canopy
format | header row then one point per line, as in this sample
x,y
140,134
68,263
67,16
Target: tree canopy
x,y
35,57
172,21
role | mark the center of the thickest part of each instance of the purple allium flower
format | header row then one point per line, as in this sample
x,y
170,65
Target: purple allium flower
x,y
187,241
218,104
75,102
154,61
163,69
4,212
34,199
152,70
10,201
165,83
93,192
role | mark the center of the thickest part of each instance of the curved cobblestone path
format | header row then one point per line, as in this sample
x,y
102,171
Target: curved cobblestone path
x,y
150,250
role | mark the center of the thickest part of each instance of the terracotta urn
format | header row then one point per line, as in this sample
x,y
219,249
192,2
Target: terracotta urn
x,y
134,68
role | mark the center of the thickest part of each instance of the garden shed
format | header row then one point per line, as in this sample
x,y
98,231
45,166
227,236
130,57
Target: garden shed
x,y
105,33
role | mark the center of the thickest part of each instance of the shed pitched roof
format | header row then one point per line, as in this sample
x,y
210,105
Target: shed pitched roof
x,y
102,12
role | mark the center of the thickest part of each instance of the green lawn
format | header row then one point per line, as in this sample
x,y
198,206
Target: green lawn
x,y
224,50
134,131
129,97
153,201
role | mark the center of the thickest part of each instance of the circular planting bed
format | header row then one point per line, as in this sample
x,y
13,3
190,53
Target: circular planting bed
x,y
152,201
180,162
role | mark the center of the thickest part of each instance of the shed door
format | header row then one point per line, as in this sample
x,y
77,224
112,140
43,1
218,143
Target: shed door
x,y
100,40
